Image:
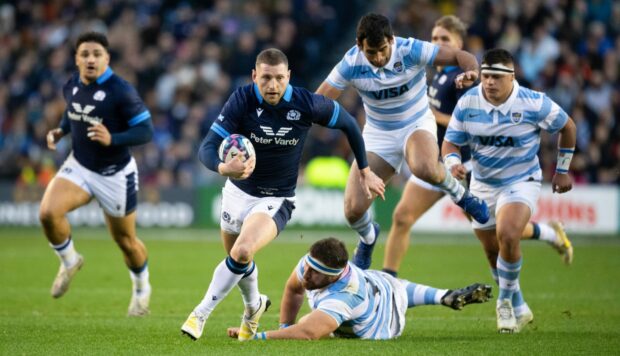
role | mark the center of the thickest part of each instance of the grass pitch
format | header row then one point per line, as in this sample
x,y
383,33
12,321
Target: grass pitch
x,y
576,309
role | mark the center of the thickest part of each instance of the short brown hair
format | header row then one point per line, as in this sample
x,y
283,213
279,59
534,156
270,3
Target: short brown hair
x,y
453,24
272,57
331,251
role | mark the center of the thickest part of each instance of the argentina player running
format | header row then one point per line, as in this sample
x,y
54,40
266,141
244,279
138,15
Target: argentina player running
x,y
418,196
104,116
259,197
354,303
501,122
389,75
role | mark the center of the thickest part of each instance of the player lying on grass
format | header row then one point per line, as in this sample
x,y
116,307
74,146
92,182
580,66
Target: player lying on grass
x,y
350,302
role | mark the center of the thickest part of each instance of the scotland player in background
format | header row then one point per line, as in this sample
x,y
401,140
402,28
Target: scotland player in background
x,y
104,116
389,75
418,196
501,122
259,197
354,303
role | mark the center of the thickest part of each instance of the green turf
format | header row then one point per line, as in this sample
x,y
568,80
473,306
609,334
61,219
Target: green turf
x,y
576,308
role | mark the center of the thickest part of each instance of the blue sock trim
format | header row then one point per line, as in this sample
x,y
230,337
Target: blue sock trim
x,y
517,299
140,269
536,234
512,275
495,275
252,268
429,296
502,263
63,245
363,225
236,267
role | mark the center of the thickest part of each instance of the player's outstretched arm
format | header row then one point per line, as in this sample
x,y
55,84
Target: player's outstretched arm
x,y
561,181
370,182
292,299
329,91
448,56
312,326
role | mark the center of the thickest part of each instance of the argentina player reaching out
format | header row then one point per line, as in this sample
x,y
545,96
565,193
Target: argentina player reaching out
x,y
418,196
259,197
104,116
501,122
388,72
354,303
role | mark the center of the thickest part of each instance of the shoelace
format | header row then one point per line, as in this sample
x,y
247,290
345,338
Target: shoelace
x,y
504,312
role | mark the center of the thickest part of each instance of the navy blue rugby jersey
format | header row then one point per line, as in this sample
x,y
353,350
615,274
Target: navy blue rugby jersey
x,y
443,96
277,132
111,101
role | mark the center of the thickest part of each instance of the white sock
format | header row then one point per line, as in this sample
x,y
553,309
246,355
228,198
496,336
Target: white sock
x,y
365,229
66,252
452,186
249,290
140,280
547,233
224,279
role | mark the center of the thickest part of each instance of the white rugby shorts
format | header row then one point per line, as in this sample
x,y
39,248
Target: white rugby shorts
x,y
391,145
519,192
237,205
117,194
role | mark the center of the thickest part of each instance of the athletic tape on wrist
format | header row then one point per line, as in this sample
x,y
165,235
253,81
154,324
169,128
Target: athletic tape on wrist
x,y
451,159
565,155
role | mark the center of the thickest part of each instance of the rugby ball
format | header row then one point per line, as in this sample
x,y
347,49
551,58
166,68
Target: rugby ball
x,y
235,145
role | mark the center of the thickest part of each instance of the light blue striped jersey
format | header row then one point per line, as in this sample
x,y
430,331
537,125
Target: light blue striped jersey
x,y
394,96
504,139
362,303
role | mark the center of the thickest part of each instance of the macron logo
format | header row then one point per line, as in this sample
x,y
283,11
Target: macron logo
x,y
281,132
259,111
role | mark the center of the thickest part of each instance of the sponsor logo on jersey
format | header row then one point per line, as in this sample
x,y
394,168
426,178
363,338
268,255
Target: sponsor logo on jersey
x,y
220,117
293,115
390,92
282,131
274,138
81,114
497,141
442,79
259,111
75,90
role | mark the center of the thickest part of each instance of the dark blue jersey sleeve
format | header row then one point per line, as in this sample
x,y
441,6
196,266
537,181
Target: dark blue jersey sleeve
x,y
226,124
327,112
135,135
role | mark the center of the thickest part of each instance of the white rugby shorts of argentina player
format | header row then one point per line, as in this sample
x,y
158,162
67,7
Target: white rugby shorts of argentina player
x,y
526,192
237,205
117,194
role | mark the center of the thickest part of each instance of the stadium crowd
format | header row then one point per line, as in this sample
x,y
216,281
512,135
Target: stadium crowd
x,y
186,58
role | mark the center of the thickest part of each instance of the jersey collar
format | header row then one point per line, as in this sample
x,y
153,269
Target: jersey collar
x,y
105,76
504,108
288,93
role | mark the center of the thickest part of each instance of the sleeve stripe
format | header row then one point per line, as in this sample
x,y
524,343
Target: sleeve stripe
x,y
145,115
219,130
335,114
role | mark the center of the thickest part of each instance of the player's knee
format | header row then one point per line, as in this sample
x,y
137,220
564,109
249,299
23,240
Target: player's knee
x,y
508,237
241,253
353,211
427,171
47,215
403,219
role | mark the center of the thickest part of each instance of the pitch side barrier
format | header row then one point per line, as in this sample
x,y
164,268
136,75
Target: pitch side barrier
x,y
587,209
